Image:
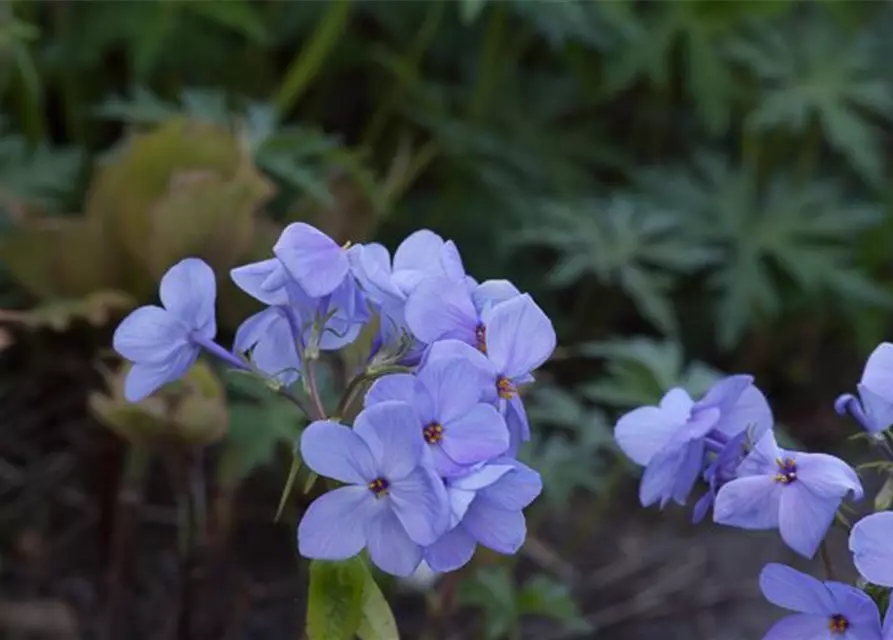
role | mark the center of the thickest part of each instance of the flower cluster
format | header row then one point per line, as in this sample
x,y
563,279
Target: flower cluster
x,y
726,439
428,469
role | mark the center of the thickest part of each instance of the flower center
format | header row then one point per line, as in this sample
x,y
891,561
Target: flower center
x,y
787,471
505,388
433,433
379,487
480,338
838,623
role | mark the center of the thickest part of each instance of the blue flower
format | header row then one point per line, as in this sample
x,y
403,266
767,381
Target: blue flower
x,y
269,337
163,343
871,542
520,338
824,610
486,507
798,493
873,409
312,258
392,504
459,429
671,440
423,255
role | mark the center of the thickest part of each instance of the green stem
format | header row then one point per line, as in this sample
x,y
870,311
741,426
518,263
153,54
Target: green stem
x,y
313,389
310,59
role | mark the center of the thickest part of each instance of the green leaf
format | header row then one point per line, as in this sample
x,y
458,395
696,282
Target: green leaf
x,y
335,603
884,497
471,9
543,596
378,621
237,15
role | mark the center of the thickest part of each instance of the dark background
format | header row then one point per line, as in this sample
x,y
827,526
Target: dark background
x,y
689,188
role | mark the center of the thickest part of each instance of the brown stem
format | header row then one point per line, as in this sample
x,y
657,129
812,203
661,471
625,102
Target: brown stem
x,y
129,499
826,561
313,389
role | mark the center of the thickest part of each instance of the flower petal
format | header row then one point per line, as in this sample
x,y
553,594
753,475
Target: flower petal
x,y
795,591
517,423
859,609
149,334
451,262
492,292
520,336
402,387
371,264
761,459
451,551
801,627
455,385
878,372
827,476
484,475
393,432
459,349
334,525
751,502
498,529
475,436
420,501
878,409
872,551
189,291
255,280
312,258
143,379
418,257
514,490
644,432
749,409
335,451
390,548
440,309
804,518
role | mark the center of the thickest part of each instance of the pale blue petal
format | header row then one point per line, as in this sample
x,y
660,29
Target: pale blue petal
x,y
144,379
149,334
689,471
801,627
492,292
750,410
459,500
253,328
398,386
451,262
455,384
515,490
827,476
659,478
459,349
878,372
420,501
726,392
859,609
520,336
477,435
516,421
482,476
390,548
254,279
440,309
371,264
269,337
393,432
335,451
888,624
676,405
796,591
751,502
451,551
642,433
312,258
189,291
871,542
444,465
497,529
805,518
878,409
420,252
334,525
761,460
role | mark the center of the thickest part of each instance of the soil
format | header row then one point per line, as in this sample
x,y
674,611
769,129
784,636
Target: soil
x,y
638,575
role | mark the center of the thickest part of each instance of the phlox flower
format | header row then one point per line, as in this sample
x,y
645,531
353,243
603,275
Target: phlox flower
x,y
458,428
312,258
871,542
392,503
672,439
823,610
520,338
873,409
486,507
797,493
164,342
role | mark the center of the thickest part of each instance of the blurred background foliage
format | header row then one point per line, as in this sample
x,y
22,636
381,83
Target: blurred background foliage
x,y
677,182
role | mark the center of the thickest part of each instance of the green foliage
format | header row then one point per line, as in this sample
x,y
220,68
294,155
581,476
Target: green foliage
x,y
504,604
335,603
